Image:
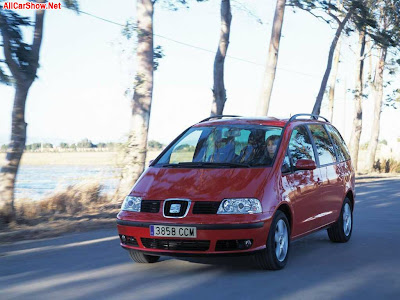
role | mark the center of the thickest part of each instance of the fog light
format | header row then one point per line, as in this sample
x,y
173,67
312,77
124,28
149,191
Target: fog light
x,y
123,238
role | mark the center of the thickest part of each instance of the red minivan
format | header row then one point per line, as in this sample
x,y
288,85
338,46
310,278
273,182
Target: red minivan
x,y
234,185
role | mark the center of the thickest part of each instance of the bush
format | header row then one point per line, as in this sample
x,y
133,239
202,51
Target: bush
x,y
384,142
155,145
387,166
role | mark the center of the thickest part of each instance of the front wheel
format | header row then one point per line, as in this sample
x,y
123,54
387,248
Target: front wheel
x,y
275,255
142,258
340,232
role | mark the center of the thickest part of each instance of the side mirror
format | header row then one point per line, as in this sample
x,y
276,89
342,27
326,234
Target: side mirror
x,y
305,164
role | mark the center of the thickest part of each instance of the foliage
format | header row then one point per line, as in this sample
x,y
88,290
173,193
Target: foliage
x,y
12,24
184,147
383,142
33,147
24,55
85,143
130,29
364,146
387,166
155,145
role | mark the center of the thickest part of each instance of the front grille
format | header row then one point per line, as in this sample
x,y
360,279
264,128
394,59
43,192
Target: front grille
x,y
231,245
206,208
150,206
197,245
183,206
128,240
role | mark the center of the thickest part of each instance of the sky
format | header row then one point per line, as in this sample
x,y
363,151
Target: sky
x,y
86,66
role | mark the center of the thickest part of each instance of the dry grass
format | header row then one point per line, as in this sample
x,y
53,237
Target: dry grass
x,y
72,200
77,208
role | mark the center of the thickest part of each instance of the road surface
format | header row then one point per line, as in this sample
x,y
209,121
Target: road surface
x,y
92,265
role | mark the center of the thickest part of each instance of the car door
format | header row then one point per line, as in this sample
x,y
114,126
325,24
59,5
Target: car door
x,y
344,166
330,192
300,185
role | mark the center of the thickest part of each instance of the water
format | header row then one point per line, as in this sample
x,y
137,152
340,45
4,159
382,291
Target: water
x,y
35,182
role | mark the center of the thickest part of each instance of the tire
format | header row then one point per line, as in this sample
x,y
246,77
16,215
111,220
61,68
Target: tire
x,y
272,258
340,232
142,258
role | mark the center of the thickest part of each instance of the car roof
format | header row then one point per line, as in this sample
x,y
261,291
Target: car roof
x,y
271,121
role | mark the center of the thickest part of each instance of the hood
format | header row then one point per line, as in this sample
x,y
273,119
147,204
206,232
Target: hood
x,y
201,184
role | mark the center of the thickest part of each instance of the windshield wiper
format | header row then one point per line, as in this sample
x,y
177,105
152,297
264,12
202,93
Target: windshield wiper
x,y
205,164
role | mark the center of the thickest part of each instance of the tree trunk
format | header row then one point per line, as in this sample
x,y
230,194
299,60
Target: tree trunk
x,y
23,81
317,106
333,80
273,51
15,150
136,148
378,97
357,120
219,92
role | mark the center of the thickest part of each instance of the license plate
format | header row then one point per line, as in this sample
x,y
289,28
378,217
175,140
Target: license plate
x,y
173,231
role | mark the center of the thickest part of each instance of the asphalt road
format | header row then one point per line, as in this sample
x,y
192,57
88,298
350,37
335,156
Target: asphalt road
x,y
92,265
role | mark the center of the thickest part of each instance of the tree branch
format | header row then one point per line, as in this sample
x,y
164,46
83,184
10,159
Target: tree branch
x,y
310,12
334,17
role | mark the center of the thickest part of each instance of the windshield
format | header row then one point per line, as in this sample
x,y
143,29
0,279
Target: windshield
x,y
223,146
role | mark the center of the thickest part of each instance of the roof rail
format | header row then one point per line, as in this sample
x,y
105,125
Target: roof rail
x,y
219,117
315,117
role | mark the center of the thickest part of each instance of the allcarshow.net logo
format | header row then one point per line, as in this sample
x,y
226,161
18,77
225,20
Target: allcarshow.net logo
x,y
31,5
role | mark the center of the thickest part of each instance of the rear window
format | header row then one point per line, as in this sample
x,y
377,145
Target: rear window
x,y
223,146
323,144
338,142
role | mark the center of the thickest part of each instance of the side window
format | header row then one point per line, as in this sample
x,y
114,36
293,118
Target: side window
x,y
340,145
300,146
184,150
326,152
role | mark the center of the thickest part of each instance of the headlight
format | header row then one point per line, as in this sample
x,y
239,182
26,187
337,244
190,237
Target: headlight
x,y
132,203
240,206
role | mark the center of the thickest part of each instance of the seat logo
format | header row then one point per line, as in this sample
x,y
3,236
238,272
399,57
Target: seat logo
x,y
175,209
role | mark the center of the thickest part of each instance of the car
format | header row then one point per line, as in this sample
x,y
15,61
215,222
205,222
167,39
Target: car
x,y
231,185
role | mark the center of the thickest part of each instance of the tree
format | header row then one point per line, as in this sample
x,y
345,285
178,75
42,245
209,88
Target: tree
x,y
85,143
388,37
339,11
22,60
357,120
219,92
136,146
155,145
135,151
333,76
272,61
341,25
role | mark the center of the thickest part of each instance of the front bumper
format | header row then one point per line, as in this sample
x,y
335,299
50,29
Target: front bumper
x,y
221,230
